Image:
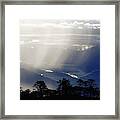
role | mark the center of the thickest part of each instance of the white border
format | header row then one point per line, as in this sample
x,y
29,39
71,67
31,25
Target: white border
x,y
106,15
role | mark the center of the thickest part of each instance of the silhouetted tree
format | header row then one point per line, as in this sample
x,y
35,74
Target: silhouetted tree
x,y
85,89
91,87
27,91
81,85
25,94
91,83
64,87
40,86
21,89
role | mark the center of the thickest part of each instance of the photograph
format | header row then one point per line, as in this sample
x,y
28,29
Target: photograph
x,y
60,55
59,59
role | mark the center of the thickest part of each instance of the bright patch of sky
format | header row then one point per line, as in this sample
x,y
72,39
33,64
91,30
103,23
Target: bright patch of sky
x,y
48,71
47,43
74,76
32,47
41,74
35,41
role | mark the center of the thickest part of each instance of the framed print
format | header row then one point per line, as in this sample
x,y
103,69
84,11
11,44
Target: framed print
x,y
59,59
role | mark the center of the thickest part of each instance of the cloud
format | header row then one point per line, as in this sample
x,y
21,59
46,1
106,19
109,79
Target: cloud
x,y
80,27
92,25
35,41
74,76
77,23
82,47
63,25
45,25
72,24
48,71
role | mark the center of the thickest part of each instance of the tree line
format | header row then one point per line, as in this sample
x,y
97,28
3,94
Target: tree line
x,y
84,90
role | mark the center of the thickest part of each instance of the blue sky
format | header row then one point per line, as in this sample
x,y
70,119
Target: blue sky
x,y
71,47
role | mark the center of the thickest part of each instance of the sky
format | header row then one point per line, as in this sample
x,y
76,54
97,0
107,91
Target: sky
x,y
47,35
70,46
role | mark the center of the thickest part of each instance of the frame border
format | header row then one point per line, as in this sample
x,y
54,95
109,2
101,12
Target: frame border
x,y
2,66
